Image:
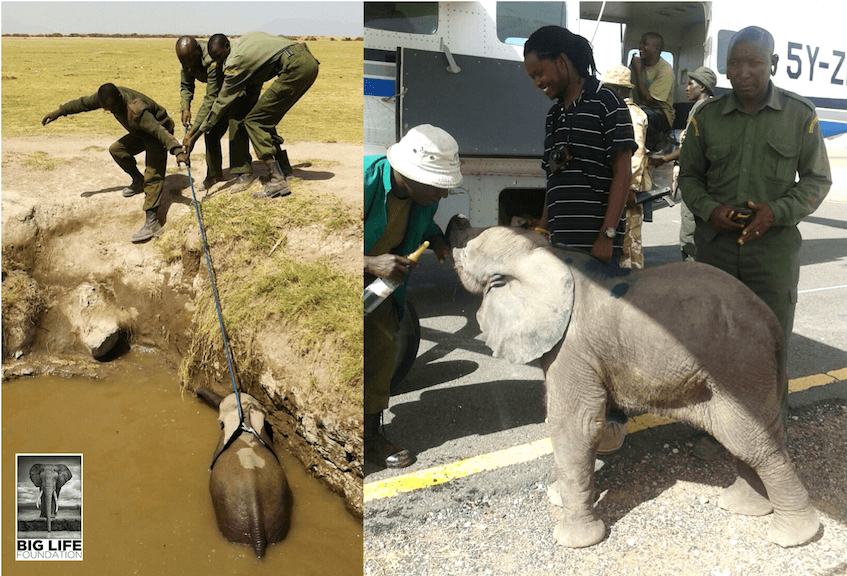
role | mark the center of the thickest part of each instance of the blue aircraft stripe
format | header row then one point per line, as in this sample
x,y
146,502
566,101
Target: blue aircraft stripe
x,y
829,129
378,87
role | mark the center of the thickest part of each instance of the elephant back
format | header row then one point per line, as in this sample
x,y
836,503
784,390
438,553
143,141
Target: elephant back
x,y
250,495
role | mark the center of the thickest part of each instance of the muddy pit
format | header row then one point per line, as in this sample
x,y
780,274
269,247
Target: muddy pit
x,y
146,451
67,229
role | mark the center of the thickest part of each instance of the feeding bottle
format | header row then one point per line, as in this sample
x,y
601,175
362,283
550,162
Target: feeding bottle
x,y
381,288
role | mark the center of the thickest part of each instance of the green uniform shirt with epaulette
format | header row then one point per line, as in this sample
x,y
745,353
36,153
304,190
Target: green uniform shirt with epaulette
x,y
209,73
731,157
253,59
140,115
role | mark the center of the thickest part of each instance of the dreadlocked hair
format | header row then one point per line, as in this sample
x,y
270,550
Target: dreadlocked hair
x,y
550,41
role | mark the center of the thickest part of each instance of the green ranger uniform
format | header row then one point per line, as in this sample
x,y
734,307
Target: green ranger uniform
x,y
254,59
209,73
150,129
730,158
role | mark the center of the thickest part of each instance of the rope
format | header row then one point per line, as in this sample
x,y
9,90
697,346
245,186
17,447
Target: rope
x,y
215,294
241,425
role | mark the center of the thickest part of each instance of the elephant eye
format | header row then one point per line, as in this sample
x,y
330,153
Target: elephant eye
x,y
496,281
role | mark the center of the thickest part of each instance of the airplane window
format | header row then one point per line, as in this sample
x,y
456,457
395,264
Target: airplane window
x,y
410,17
516,21
724,36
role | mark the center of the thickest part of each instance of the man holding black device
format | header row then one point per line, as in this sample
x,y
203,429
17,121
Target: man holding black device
x,y
739,172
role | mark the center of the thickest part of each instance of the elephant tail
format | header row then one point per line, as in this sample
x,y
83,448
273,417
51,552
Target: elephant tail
x,y
257,531
781,358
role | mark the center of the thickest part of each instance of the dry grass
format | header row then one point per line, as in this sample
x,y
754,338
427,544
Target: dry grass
x,y
257,282
40,74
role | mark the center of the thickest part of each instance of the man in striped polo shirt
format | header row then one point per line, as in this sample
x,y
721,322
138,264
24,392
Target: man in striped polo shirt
x,y
588,148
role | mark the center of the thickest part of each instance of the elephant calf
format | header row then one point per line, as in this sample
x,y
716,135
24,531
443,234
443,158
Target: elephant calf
x,y
683,340
248,485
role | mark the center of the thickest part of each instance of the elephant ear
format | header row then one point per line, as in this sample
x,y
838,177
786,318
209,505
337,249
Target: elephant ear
x,y
63,476
527,306
35,474
260,425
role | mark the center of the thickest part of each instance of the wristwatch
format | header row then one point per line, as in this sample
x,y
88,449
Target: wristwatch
x,y
610,233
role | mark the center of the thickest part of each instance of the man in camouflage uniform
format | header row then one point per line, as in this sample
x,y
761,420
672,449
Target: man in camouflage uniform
x,y
251,61
745,149
198,65
150,130
619,79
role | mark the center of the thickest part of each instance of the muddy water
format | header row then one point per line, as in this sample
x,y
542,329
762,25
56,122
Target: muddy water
x,y
146,507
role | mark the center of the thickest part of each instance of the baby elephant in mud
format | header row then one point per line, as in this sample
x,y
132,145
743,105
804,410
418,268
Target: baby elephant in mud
x,y
683,340
248,486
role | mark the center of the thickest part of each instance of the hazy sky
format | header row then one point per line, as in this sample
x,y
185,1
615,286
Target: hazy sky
x,y
197,18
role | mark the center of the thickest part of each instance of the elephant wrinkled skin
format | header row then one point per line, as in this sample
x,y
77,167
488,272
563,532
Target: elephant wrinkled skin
x,y
248,486
683,340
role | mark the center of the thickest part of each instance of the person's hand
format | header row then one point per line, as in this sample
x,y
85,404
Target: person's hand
x,y
182,158
631,199
720,219
657,160
189,141
50,117
602,248
762,219
438,244
389,266
188,135
185,118
636,64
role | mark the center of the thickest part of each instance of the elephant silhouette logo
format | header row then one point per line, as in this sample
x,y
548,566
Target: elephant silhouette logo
x,y
49,478
49,507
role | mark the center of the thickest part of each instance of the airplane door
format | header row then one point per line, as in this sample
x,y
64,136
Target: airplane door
x,y
490,106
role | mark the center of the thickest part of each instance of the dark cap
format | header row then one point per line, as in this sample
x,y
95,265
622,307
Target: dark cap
x,y
706,77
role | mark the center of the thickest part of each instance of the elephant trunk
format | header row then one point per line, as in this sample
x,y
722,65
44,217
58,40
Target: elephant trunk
x,y
209,396
457,231
49,505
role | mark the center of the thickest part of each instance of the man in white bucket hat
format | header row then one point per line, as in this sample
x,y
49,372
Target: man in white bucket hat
x,y
402,190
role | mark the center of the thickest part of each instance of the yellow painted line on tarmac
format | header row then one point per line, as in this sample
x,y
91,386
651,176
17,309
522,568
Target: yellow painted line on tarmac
x,y
441,474
806,382
534,450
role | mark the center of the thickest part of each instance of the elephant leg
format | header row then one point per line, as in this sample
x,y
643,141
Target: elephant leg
x,y
576,424
766,474
795,520
747,495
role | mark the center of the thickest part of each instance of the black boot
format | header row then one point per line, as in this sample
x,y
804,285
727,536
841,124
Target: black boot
x,y
281,155
242,182
379,450
276,185
137,186
150,228
284,164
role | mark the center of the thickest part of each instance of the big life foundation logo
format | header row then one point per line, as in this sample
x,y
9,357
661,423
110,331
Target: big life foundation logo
x,y
48,507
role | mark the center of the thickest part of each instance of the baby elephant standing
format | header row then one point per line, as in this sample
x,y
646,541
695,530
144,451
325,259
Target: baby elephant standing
x,y
248,485
683,340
